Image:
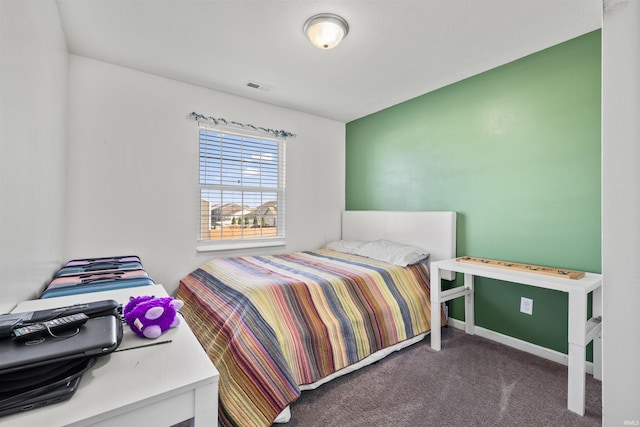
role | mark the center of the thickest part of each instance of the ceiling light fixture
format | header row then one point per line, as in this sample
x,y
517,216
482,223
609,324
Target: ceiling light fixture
x,y
326,30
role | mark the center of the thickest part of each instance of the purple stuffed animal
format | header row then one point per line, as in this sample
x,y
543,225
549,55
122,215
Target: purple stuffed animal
x,y
149,317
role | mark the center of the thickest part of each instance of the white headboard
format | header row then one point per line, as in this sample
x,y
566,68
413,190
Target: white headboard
x,y
430,230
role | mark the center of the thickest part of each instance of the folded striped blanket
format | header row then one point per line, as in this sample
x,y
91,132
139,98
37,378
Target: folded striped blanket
x,y
272,323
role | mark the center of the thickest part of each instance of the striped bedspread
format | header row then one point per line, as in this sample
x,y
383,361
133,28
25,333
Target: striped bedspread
x,y
272,323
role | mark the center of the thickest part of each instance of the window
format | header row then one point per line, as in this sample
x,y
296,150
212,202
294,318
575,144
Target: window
x,y
241,190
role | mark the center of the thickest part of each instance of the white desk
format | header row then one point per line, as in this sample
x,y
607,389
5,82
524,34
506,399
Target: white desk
x,y
159,385
581,330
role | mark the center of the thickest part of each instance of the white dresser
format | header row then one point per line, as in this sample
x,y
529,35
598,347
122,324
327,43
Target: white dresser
x,y
157,385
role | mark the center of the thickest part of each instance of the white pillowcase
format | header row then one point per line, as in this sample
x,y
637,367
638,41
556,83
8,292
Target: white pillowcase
x,y
345,246
392,252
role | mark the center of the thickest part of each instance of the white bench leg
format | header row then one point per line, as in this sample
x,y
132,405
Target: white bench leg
x,y
597,340
577,351
435,309
469,312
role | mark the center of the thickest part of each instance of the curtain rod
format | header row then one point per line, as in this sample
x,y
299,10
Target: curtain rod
x,y
225,122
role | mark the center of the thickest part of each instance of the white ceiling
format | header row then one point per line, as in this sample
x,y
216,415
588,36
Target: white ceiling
x,y
395,50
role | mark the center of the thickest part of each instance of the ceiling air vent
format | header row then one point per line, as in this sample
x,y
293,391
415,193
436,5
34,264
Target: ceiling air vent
x,y
260,86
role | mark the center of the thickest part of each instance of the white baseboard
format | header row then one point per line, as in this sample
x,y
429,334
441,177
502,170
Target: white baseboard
x,y
519,344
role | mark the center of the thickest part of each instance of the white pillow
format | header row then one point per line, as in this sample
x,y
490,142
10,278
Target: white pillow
x,y
392,252
345,246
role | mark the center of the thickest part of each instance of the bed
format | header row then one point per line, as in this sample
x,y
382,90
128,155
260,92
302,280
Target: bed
x,y
279,324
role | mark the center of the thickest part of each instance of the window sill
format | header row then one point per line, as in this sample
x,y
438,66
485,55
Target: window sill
x,y
230,245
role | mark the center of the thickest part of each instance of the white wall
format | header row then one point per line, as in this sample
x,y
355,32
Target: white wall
x,y
133,168
33,86
621,212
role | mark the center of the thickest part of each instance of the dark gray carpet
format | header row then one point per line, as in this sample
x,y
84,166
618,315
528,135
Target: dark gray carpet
x,y
472,381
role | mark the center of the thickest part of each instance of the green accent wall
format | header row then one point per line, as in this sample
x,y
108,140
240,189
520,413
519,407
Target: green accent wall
x,y
515,151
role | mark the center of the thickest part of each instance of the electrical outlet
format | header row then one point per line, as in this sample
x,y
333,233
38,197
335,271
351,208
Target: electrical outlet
x,y
526,305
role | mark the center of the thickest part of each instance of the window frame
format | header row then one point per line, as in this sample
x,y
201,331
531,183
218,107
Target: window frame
x,y
243,242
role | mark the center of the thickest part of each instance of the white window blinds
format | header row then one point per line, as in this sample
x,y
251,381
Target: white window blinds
x,y
241,189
